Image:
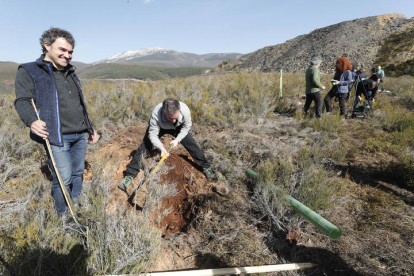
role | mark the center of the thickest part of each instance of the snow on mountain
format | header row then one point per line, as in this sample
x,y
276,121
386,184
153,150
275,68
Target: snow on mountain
x,y
128,55
161,57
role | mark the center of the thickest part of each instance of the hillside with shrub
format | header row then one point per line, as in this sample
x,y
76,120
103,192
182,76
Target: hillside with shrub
x,y
7,75
123,71
397,53
363,41
358,174
7,70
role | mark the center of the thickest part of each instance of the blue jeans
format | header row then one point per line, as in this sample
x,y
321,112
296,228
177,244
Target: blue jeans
x,y
70,162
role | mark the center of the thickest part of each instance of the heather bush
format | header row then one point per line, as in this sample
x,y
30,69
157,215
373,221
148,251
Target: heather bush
x,y
271,188
119,240
222,101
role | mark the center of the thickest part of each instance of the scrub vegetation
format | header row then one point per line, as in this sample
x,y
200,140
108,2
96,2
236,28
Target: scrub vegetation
x,y
358,174
131,71
395,53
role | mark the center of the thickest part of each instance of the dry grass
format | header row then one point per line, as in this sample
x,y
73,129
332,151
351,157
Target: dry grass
x,y
334,166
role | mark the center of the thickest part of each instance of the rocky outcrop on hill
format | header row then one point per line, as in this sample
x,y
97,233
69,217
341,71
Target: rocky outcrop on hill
x,y
358,39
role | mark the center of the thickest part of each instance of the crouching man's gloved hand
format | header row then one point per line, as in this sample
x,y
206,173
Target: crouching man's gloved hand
x,y
164,152
174,143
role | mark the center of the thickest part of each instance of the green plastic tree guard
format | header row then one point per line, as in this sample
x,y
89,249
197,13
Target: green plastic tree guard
x,y
317,220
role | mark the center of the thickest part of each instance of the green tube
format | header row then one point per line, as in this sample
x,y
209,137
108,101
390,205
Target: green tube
x,y
252,174
281,84
322,224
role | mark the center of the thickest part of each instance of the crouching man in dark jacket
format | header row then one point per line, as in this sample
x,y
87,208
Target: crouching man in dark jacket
x,y
169,117
52,83
368,88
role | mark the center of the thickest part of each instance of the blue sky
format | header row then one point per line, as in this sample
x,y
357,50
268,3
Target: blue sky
x,y
107,27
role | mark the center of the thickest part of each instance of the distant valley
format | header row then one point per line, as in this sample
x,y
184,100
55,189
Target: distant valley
x,y
143,64
152,63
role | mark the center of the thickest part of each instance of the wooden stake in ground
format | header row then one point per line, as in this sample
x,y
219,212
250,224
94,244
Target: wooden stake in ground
x,y
62,186
225,271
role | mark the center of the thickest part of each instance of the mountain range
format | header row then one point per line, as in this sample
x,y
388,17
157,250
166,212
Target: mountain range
x,y
149,63
161,57
385,40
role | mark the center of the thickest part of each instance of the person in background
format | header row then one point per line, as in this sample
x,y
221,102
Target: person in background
x,y
52,83
354,71
333,92
361,75
313,87
374,76
169,117
343,67
352,85
381,75
358,76
366,88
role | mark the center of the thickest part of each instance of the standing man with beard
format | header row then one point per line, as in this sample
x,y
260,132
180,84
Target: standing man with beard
x,y
56,90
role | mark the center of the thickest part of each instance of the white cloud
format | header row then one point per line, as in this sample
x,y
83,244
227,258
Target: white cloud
x,y
148,1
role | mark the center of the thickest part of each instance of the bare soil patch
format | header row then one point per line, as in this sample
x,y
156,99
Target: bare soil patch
x,y
184,173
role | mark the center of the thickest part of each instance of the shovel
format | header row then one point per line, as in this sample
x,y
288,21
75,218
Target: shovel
x,y
145,182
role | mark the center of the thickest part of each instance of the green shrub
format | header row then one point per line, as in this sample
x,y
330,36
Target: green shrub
x,y
270,189
329,124
317,188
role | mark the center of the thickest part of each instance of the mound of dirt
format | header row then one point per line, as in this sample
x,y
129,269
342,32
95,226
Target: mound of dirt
x,y
189,181
184,173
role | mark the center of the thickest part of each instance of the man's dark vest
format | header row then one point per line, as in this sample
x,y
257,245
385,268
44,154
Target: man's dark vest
x,y
47,101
